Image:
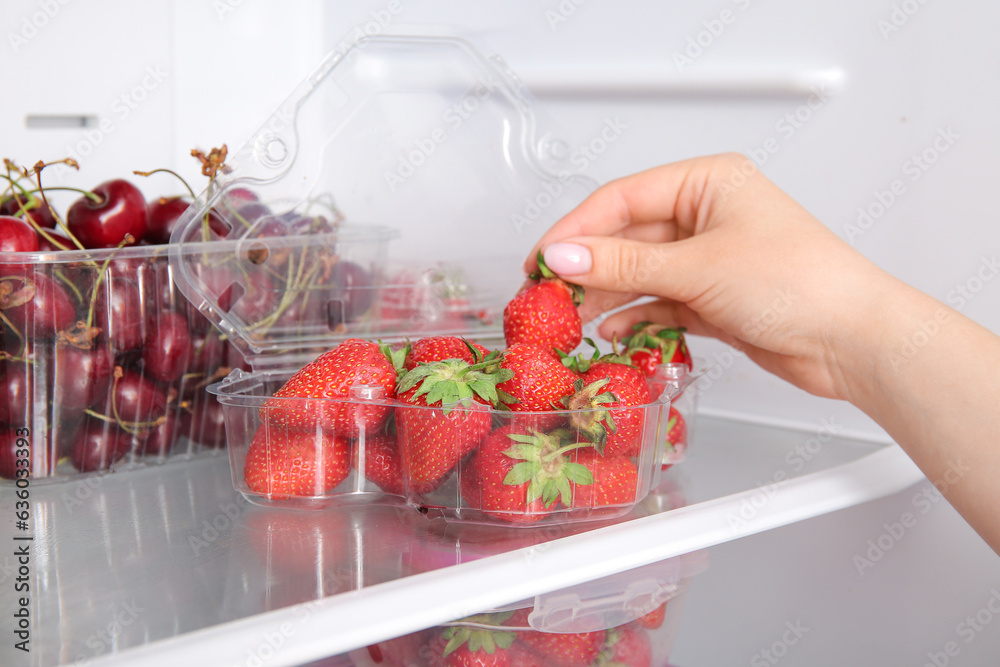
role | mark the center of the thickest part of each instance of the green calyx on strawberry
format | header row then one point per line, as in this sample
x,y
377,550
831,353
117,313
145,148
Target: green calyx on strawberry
x,y
590,414
544,467
545,314
669,341
478,639
451,382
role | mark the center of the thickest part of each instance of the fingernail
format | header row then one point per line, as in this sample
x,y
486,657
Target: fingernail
x,y
568,259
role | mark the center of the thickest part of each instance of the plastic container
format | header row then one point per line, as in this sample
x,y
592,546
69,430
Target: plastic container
x,y
630,618
445,174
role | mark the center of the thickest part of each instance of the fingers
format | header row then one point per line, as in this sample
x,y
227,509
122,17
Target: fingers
x,y
665,312
668,196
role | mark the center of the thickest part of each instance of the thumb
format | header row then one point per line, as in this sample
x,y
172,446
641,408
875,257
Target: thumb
x,y
614,264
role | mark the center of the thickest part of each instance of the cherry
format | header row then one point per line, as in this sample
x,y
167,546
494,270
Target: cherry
x,y
15,393
8,452
33,208
46,308
205,424
162,215
167,348
237,197
118,313
354,295
44,245
234,358
16,235
99,445
138,399
158,440
121,211
81,377
207,352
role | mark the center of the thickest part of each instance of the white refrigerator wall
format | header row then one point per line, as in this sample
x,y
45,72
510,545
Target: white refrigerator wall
x,y
879,117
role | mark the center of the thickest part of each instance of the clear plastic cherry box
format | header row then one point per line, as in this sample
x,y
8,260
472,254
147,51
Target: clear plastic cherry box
x,y
442,174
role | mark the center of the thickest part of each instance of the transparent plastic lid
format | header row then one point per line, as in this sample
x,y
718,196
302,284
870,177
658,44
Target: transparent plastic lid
x,y
418,166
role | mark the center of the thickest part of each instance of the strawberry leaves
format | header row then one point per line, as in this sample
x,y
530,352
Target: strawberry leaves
x,y
544,468
453,382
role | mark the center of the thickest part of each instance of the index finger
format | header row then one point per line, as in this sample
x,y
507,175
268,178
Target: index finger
x,y
670,194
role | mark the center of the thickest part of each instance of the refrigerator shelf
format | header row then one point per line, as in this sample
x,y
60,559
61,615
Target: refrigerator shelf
x,y
170,565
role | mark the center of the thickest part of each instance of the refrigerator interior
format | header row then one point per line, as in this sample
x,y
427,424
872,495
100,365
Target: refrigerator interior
x,y
878,117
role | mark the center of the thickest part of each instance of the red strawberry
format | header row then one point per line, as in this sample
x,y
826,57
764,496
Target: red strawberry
x,y
605,387
281,463
384,465
646,360
437,348
444,414
564,650
545,314
522,656
540,381
520,474
653,619
616,480
478,646
668,340
330,378
626,645
676,440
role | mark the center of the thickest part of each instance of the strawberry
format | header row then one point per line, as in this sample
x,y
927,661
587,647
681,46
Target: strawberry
x,y
437,348
545,314
616,480
538,384
330,378
676,440
668,340
520,474
654,619
599,394
522,656
444,413
281,463
564,650
478,646
626,646
383,464
646,360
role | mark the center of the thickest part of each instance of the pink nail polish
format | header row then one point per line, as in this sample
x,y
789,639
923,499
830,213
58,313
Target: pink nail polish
x,y
568,259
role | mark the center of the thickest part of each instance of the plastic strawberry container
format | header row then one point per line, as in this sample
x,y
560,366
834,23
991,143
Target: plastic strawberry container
x,y
438,158
630,618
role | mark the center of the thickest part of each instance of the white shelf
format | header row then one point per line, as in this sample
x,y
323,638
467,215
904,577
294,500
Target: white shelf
x,y
142,547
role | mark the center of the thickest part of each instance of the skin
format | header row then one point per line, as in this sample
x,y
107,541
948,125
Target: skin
x,y
727,254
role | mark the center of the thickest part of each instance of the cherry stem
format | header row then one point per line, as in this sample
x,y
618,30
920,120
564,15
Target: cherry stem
x,y
171,172
22,346
59,221
128,240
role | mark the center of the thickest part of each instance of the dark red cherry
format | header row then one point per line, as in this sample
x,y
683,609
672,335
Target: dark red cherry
x,y
16,235
98,446
207,352
236,197
158,440
22,207
44,245
161,216
167,348
121,211
15,393
354,292
205,424
118,314
81,377
37,305
138,400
